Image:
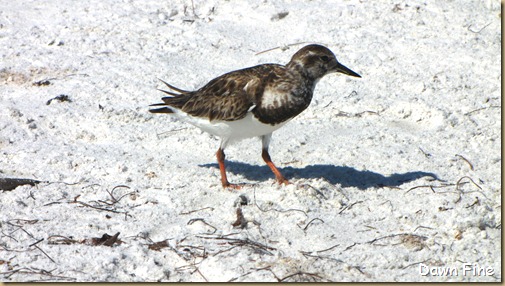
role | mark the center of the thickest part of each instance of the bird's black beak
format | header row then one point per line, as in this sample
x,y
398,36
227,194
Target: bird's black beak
x,y
345,70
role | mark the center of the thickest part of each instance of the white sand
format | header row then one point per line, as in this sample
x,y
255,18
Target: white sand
x,y
394,175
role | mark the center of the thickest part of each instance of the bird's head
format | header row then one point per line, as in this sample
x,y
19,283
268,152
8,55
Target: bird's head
x,y
316,61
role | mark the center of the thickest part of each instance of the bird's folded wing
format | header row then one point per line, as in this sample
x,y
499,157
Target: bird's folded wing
x,y
228,97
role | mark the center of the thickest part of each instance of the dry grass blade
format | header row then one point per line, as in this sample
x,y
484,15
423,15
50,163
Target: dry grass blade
x,y
466,160
283,48
311,222
304,277
237,242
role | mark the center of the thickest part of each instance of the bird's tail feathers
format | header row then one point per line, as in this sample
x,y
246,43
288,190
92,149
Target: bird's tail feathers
x,y
182,91
177,100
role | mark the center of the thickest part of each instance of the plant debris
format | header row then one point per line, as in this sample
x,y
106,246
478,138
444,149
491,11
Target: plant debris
x,y
105,239
60,98
9,184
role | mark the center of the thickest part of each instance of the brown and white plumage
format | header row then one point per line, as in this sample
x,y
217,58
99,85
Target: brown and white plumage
x,y
254,101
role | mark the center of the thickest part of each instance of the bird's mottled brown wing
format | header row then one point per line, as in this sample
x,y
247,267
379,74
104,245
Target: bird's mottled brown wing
x,y
227,97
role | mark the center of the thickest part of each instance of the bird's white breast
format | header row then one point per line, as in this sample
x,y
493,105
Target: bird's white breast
x,y
247,127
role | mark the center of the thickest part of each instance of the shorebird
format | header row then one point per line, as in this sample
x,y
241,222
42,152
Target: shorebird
x,y
253,102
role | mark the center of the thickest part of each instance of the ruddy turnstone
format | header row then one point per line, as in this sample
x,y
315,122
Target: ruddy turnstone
x,y
254,101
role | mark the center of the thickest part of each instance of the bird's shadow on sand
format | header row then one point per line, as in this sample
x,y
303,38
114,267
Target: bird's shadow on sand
x,y
345,176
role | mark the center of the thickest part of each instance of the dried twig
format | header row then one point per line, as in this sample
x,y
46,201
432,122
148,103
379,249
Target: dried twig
x,y
466,160
427,155
328,249
47,255
350,246
482,108
75,201
195,251
19,222
316,190
360,114
309,253
460,192
276,210
267,268
170,131
431,187
193,220
421,227
415,263
42,272
476,202
458,183
47,81
360,270
406,238
243,243
35,243
283,48
348,207
193,211
95,207
111,193
314,276
343,114
194,268
20,227
310,222
478,31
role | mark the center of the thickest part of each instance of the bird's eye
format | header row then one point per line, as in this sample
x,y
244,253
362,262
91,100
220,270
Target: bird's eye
x,y
324,58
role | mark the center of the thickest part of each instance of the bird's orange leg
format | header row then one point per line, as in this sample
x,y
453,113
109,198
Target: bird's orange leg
x,y
224,180
280,178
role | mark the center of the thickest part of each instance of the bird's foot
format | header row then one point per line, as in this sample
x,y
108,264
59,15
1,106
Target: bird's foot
x,y
227,185
283,181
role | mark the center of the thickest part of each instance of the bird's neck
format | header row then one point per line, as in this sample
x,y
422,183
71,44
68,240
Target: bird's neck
x,y
298,69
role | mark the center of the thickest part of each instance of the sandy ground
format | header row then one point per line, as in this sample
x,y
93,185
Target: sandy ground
x,y
396,176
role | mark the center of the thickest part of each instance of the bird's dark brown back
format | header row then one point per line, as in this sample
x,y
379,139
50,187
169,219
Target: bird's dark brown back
x,y
227,97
